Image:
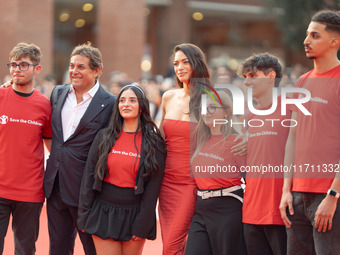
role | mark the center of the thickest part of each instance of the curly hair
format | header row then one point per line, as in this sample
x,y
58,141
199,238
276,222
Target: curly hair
x,y
264,62
330,18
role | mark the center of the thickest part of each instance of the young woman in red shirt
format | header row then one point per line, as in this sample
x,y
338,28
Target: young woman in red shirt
x,y
122,179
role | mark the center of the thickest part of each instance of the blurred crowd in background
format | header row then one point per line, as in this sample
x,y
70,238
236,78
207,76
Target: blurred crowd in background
x,y
157,85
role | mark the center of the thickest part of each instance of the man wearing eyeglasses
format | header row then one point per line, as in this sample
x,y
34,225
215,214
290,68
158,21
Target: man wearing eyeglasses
x,y
24,125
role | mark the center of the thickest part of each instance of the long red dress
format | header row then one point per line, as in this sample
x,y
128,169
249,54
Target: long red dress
x,y
176,199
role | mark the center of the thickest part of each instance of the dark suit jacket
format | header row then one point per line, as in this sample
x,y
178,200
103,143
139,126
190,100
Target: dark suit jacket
x,y
68,158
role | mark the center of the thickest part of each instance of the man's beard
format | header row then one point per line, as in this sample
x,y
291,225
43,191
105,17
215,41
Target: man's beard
x,y
22,82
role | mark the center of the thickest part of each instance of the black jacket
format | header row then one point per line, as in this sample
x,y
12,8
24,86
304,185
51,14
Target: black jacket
x,y
149,187
68,158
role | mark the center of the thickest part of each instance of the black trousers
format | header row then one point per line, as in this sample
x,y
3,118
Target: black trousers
x,y
62,226
265,239
216,227
25,224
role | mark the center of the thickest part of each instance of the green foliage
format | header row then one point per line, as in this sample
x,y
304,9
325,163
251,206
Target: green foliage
x,y
295,15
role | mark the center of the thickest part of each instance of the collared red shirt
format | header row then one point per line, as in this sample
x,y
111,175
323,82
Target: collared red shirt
x,y
72,112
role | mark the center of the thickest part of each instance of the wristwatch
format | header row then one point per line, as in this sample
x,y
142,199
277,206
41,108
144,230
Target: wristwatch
x,y
333,193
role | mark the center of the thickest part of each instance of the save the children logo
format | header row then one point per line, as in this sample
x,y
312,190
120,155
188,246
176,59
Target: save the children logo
x,y
239,103
3,119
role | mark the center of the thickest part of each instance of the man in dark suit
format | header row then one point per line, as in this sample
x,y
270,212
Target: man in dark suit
x,y
79,111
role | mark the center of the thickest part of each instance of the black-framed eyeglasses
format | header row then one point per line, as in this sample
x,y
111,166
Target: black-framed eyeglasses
x,y
23,66
212,109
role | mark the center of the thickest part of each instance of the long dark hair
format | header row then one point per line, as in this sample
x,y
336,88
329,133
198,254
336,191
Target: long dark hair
x,y
200,70
196,59
152,139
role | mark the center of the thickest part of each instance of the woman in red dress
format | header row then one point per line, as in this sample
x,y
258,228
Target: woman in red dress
x,y
180,112
176,199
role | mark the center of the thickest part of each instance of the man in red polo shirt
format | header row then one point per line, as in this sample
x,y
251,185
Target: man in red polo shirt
x,y
309,204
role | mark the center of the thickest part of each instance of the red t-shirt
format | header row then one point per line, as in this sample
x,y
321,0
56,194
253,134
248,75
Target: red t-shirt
x,y
123,161
266,148
24,122
215,166
318,136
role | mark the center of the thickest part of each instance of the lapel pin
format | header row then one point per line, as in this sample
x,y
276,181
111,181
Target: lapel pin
x,y
102,105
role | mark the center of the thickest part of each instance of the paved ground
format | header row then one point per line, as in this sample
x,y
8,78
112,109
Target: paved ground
x,y
151,247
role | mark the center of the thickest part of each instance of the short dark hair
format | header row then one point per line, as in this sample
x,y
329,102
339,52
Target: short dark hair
x,y
264,62
330,18
23,49
90,52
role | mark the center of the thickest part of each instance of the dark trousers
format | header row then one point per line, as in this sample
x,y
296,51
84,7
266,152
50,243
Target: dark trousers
x,y
303,237
62,226
216,227
25,224
265,239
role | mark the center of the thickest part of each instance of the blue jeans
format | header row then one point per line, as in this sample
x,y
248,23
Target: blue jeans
x,y
303,237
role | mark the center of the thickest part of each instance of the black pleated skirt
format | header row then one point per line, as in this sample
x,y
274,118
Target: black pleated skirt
x,y
113,213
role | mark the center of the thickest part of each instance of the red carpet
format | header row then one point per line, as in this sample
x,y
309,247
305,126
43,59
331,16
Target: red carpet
x,y
150,248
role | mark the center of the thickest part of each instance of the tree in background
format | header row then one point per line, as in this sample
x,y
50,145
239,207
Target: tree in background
x,y
294,18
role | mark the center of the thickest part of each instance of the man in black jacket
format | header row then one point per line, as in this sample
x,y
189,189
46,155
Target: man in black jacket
x,y
79,111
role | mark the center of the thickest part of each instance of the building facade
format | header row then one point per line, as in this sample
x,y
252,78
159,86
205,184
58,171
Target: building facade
x,y
137,36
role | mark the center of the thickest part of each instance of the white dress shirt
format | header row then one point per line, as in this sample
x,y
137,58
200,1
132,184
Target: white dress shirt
x,y
72,112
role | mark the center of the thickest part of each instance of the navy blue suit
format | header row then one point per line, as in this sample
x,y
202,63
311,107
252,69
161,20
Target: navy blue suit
x,y
65,167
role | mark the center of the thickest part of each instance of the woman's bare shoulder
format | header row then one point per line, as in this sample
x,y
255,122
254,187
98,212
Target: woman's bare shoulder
x,y
169,94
